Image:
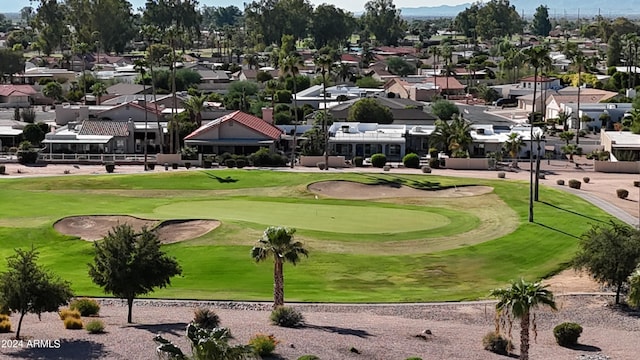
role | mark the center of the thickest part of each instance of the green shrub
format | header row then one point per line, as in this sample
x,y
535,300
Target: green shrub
x,y
495,343
567,333
5,326
560,182
206,318
3,170
358,161
574,184
71,323
5,323
230,163
95,327
263,345
86,307
222,158
411,160
586,179
261,157
308,357
240,163
434,163
187,165
68,313
109,167
378,160
622,193
321,165
286,316
27,156
174,166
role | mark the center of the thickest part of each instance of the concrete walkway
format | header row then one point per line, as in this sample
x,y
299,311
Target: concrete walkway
x,y
604,205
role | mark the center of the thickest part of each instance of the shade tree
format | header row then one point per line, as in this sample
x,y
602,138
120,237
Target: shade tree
x,y
26,287
128,264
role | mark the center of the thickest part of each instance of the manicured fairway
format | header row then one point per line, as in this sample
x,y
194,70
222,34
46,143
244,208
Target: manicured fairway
x,y
380,250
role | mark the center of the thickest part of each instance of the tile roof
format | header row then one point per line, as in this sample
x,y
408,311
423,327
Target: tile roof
x,y
250,121
102,127
7,90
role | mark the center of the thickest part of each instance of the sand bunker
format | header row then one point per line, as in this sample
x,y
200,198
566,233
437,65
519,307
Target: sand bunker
x,y
92,228
359,191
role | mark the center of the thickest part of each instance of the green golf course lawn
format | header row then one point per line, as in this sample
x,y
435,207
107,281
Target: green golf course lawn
x,y
384,250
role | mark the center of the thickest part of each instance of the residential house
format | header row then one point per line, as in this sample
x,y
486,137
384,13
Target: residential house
x,y
425,88
33,74
557,103
10,134
252,74
404,111
338,93
128,89
235,133
623,146
351,139
92,137
17,95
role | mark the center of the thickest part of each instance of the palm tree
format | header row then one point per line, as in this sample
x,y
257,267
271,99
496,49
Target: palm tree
x,y
513,145
453,136
53,90
98,89
578,59
195,105
538,57
436,52
277,241
518,302
447,53
82,49
290,65
251,60
152,34
325,65
140,66
562,118
571,149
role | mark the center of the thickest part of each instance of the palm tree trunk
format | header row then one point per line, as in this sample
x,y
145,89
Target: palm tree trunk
x,y
130,306
278,282
524,337
295,122
533,110
324,122
618,290
578,107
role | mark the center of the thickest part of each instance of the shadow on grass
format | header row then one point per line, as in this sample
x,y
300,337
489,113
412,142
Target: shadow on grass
x,y
68,350
397,181
583,347
557,230
228,179
572,212
177,328
341,331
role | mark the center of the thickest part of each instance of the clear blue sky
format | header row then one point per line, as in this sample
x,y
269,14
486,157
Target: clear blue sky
x,y
351,5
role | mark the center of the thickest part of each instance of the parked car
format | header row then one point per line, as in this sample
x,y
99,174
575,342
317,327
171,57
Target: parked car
x,y
506,102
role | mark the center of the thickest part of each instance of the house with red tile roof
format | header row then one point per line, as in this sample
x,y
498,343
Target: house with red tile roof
x,y
16,95
235,133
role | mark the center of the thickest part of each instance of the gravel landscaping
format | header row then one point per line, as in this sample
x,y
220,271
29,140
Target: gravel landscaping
x,y
331,331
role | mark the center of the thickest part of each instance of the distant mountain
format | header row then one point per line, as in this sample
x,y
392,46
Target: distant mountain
x,y
557,8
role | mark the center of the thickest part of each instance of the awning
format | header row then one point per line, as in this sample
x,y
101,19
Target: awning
x,y
76,141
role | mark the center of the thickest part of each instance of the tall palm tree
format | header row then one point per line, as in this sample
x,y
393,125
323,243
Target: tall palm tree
x,y
82,49
251,60
537,57
277,241
436,52
447,53
518,302
152,35
140,66
324,63
563,117
290,65
513,145
578,58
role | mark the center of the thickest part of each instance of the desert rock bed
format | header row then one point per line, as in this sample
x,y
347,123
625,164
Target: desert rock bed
x,y
384,332
96,227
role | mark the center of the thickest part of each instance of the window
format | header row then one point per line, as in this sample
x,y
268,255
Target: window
x,y
394,150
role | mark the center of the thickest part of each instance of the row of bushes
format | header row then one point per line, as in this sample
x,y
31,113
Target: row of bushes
x,y
566,334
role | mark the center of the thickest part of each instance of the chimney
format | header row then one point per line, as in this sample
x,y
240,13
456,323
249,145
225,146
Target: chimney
x,y
267,114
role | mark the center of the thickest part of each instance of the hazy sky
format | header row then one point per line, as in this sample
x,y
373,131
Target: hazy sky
x,y
351,5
